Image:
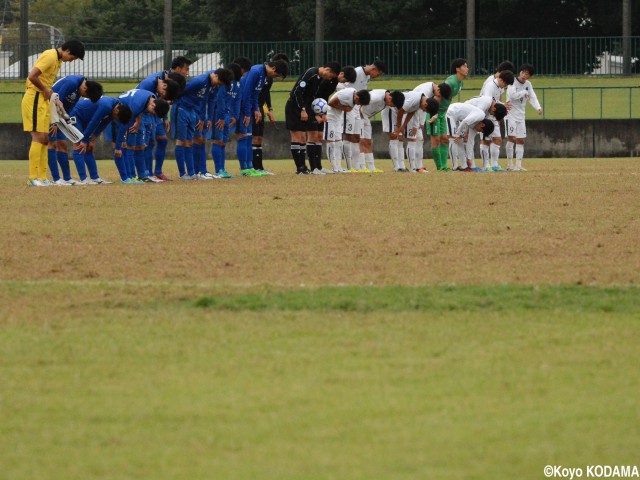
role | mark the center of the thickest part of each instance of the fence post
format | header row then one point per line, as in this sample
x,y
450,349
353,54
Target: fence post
x,y
24,38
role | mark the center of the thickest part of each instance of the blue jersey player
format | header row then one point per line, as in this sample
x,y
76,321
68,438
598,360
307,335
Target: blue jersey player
x,y
91,120
189,116
225,122
251,85
69,89
131,139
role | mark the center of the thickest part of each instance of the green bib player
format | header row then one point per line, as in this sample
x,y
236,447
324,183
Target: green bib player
x,y
438,129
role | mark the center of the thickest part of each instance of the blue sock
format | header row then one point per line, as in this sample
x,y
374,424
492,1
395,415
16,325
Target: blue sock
x,y
197,161
203,156
141,165
248,159
63,160
120,166
240,148
78,159
53,164
179,152
92,166
161,153
188,160
129,163
148,158
217,152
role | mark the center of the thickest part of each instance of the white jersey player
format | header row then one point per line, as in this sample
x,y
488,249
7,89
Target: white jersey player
x,y
414,103
381,100
518,95
353,119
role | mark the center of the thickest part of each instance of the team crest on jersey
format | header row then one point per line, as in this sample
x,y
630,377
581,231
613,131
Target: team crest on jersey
x,y
303,84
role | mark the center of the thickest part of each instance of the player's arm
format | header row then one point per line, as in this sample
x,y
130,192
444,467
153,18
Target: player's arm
x,y
300,88
469,121
34,77
335,103
533,100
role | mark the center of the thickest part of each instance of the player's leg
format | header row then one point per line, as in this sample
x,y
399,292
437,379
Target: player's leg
x,y
521,136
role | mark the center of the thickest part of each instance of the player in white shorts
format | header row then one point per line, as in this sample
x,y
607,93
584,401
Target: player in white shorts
x,y
494,87
414,102
342,101
415,149
381,100
517,95
462,118
353,119
495,112
389,117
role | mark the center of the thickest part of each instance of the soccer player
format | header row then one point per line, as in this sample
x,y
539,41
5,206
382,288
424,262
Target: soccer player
x,y
417,123
225,122
189,116
300,118
91,119
438,129
131,138
414,101
353,119
494,87
389,118
517,95
380,99
463,117
36,114
257,128
251,85
343,101
166,85
69,89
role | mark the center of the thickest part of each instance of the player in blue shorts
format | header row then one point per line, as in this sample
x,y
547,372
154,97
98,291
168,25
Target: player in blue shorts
x,y
69,89
251,85
225,120
189,116
131,138
91,120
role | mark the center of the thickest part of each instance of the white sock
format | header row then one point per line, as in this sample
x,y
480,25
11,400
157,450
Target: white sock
x,y
484,154
393,153
453,153
411,154
509,148
355,154
368,158
495,153
461,153
348,155
519,155
419,154
336,155
329,149
400,154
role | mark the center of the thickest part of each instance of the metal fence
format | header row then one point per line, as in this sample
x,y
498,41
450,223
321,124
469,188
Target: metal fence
x,y
410,58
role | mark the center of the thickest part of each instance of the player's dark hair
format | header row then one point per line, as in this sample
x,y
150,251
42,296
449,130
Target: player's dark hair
x,y
397,97
349,73
445,90
124,114
506,65
180,62
162,108
457,63
380,65
364,97
244,62
280,56
335,67
94,91
432,106
500,112
507,77
282,67
225,76
178,78
237,71
527,67
75,47
488,127
173,90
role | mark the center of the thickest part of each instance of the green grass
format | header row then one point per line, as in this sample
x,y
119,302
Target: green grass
x,y
568,97
133,380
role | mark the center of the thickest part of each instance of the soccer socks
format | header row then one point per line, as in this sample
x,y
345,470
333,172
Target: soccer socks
x,y
148,156
202,152
179,152
218,154
484,154
453,150
509,150
63,161
419,154
348,155
444,153
197,158
298,153
411,155
36,151
92,166
78,159
53,164
119,161
495,153
315,156
257,156
368,159
141,164
245,153
519,155
161,154
436,157
188,161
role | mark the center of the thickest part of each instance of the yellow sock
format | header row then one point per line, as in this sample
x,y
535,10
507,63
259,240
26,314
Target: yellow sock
x,y
34,159
44,162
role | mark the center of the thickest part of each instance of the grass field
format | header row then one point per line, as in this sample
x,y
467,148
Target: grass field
x,y
567,97
446,326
